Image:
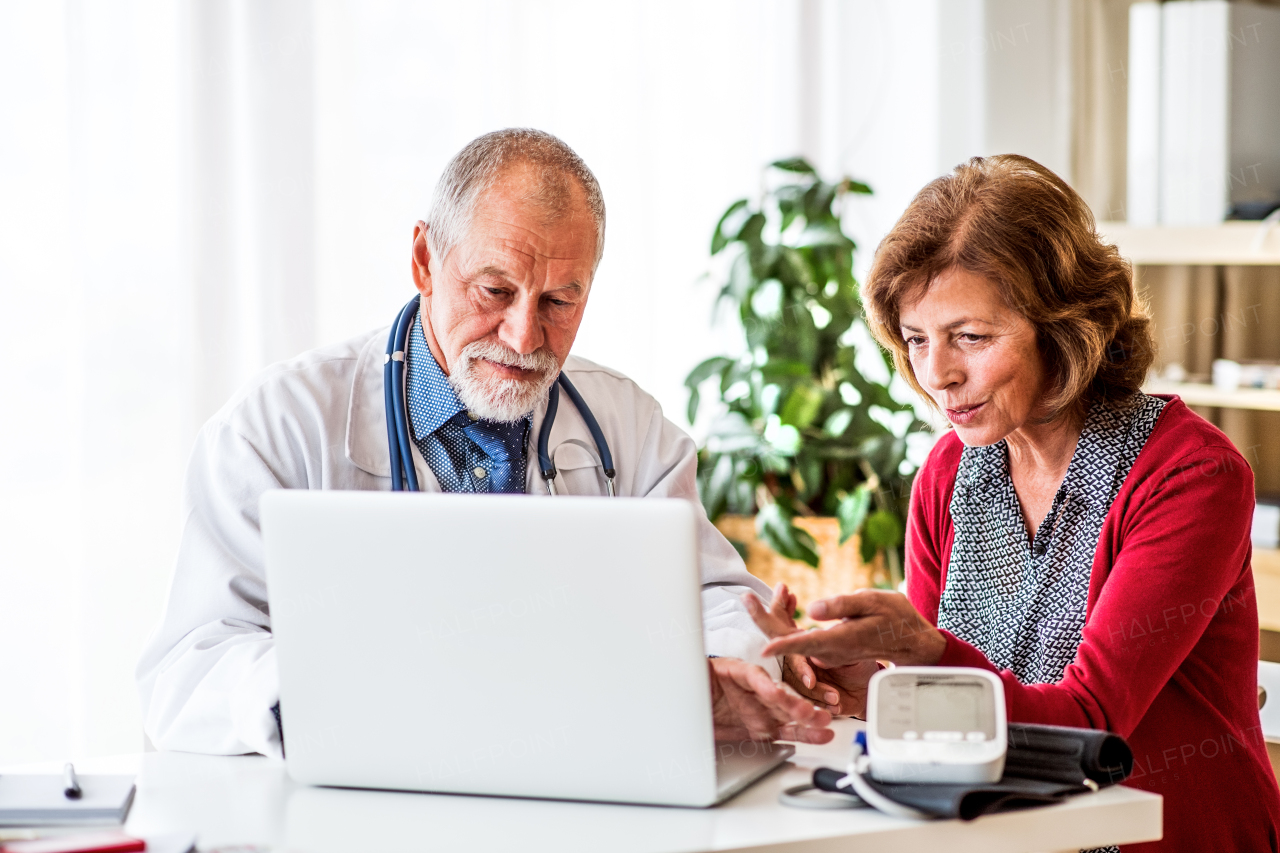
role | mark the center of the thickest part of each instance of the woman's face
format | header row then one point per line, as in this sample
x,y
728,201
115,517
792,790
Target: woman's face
x,y
977,358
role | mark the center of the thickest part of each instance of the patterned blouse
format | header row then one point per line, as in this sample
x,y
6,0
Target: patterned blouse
x,y
1022,601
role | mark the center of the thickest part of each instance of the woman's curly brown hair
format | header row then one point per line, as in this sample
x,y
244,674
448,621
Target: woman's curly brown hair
x,y
1020,226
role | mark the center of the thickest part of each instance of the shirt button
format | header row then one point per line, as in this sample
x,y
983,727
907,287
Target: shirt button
x,y
473,417
479,473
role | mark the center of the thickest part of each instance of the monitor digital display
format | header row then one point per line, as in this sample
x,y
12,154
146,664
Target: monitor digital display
x,y
911,706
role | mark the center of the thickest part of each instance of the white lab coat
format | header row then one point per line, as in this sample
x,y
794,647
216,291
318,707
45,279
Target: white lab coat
x,y
208,677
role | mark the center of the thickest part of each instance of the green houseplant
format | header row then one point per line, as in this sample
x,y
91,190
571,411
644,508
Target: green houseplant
x,y
800,430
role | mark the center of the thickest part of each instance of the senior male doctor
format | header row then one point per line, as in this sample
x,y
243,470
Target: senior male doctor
x,y
504,268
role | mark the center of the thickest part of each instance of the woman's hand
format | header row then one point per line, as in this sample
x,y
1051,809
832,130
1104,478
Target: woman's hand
x,y
851,681
875,625
777,620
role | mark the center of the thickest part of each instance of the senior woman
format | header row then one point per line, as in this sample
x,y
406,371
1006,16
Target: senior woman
x,y
1084,540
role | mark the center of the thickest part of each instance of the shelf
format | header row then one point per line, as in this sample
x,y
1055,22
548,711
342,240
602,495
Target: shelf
x,y
1193,394
1231,243
1266,581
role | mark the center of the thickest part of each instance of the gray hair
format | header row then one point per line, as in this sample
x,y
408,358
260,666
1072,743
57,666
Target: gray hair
x,y
476,169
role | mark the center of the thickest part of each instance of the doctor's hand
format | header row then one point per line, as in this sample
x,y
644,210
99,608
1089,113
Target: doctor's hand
x,y
875,624
746,704
839,690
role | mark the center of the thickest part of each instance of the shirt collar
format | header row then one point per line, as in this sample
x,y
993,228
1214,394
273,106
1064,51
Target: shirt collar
x,y
432,400
1099,455
1104,454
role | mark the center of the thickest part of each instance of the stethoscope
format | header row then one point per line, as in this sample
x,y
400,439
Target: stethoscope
x,y
403,475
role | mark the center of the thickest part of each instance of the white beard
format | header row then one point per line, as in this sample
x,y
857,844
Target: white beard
x,y
504,400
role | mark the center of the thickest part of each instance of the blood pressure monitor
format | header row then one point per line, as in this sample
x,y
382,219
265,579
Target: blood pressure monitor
x,y
932,724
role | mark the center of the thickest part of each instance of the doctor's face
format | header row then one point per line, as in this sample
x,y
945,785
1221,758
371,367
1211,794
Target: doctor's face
x,y
502,309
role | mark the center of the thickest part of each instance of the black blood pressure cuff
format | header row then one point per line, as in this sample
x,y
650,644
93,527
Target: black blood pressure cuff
x,y
1043,765
1067,755
963,801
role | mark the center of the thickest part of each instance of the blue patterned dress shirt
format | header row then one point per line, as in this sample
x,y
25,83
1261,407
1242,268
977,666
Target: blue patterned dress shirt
x,y
465,455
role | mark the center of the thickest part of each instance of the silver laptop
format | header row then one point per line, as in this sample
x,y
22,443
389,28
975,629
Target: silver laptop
x,y
497,645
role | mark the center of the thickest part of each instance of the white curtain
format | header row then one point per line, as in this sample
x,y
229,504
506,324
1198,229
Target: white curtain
x,y
192,189
91,296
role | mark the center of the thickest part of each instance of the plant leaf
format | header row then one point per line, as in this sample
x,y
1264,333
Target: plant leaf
x,y
849,185
837,423
732,433
757,252
802,406
817,202
852,511
740,279
782,368
820,234
700,374
881,530
775,528
720,238
794,164
808,471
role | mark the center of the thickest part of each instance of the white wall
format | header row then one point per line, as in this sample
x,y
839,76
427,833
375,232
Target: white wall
x,y
905,91
1025,46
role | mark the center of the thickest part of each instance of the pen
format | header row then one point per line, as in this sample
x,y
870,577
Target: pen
x,y
70,784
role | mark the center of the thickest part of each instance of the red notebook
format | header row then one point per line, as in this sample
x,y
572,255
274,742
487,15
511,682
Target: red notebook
x,y
97,842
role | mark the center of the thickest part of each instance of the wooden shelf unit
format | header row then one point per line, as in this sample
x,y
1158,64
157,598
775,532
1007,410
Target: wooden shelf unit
x,y
1266,579
1196,394
1228,244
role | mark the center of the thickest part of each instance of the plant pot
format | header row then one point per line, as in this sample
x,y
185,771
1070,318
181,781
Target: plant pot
x,y
840,567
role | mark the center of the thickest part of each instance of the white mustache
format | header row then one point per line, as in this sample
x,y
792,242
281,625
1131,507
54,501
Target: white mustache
x,y
540,360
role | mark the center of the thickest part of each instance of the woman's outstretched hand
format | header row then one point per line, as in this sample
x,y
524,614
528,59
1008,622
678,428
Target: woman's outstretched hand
x,y
778,620
874,625
840,690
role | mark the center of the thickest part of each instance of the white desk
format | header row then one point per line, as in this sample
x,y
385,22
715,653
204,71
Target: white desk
x,y
250,800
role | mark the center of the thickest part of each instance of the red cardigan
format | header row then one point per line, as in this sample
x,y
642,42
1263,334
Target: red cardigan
x,y
1170,647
